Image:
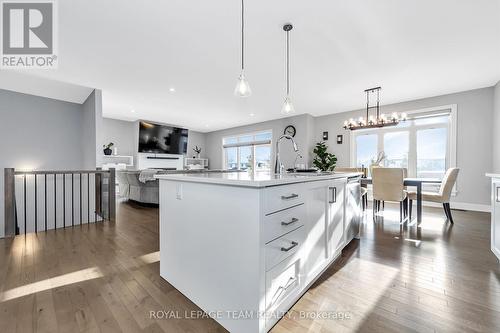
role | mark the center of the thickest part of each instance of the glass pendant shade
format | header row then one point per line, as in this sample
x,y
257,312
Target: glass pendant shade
x,y
287,106
242,87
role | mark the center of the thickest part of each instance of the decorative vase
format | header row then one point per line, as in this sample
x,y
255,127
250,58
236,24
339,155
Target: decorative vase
x,y
108,151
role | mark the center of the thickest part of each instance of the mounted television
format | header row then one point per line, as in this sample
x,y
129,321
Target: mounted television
x,y
161,139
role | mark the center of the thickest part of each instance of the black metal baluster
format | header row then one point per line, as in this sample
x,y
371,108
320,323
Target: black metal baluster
x,y
55,201
80,199
24,204
88,198
36,207
64,200
72,199
100,197
109,198
95,204
45,201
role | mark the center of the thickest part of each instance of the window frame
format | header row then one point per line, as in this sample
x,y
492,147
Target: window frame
x,y
451,156
253,144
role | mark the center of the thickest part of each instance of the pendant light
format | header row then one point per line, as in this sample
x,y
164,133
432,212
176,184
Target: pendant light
x,y
242,87
287,106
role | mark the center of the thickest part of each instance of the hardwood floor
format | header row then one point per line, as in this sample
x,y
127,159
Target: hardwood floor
x,y
105,278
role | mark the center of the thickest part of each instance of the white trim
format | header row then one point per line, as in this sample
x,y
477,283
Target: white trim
x,y
462,206
453,204
246,144
451,158
252,144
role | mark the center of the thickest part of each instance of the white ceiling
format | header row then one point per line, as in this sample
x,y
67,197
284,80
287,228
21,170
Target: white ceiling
x,y
136,50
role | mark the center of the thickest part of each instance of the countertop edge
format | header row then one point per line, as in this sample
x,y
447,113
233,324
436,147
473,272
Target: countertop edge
x,y
253,183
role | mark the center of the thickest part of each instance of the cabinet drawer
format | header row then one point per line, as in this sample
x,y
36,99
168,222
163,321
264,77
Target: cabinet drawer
x,y
282,282
284,247
278,224
281,197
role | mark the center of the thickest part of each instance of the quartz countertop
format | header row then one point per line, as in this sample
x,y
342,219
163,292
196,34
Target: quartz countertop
x,y
253,179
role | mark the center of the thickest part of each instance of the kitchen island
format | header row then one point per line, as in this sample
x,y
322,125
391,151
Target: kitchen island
x,y
245,247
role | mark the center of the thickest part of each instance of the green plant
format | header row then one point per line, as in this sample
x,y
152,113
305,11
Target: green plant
x,y
324,160
108,146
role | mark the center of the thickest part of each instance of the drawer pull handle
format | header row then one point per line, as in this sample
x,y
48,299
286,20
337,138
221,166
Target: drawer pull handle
x,y
286,249
498,194
334,194
288,197
282,289
293,220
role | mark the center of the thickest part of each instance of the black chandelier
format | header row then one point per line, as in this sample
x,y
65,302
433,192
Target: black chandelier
x,y
379,120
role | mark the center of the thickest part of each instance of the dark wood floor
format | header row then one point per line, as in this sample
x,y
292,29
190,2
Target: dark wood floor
x,y
105,278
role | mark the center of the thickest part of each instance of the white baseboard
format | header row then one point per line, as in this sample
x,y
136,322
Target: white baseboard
x,y
462,206
457,205
496,252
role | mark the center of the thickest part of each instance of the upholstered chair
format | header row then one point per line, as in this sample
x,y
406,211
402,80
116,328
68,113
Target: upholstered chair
x,y
388,186
364,190
443,195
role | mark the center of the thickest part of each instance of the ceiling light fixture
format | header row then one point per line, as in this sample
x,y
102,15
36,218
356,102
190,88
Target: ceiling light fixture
x,y
133,111
380,120
242,87
287,106
171,89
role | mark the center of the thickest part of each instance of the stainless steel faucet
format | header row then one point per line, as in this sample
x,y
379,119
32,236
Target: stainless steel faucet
x,y
279,167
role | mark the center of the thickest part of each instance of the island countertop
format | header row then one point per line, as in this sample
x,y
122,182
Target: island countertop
x,y
253,179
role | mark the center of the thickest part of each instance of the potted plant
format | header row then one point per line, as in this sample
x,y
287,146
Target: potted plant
x,y
324,160
197,150
107,148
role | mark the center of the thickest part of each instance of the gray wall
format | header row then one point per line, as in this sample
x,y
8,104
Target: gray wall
x,y
92,129
38,133
496,129
303,124
474,137
125,136
121,134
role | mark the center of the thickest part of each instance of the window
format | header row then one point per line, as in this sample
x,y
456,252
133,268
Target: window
x,y
396,148
424,144
248,151
366,149
431,152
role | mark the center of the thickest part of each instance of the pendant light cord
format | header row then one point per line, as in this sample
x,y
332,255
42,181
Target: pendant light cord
x,y
287,63
242,35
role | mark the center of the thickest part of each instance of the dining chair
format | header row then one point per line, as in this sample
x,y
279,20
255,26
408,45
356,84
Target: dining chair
x,y
364,190
405,175
442,196
388,185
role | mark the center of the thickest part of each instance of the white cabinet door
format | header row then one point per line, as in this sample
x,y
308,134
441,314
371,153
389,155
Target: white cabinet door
x,y
495,219
314,252
335,217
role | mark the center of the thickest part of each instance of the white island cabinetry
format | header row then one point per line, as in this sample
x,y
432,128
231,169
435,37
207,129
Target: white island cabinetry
x,y
244,248
495,213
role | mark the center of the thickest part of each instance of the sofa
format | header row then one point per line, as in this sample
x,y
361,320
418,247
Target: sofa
x,y
131,188
147,191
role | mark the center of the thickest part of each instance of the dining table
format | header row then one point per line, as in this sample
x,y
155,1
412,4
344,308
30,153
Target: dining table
x,y
416,182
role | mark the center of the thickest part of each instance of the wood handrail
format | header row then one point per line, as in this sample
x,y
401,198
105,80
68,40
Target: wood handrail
x,y
59,172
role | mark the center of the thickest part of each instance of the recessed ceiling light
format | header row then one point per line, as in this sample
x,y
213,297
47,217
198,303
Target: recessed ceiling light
x,y
206,125
133,111
171,89
252,114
